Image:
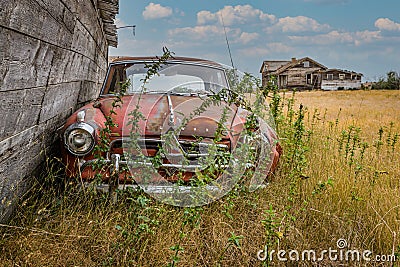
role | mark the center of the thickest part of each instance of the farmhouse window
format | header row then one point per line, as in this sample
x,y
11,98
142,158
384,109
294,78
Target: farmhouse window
x,y
306,64
329,76
341,76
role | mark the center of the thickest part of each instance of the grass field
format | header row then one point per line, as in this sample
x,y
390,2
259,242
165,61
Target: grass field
x,y
339,178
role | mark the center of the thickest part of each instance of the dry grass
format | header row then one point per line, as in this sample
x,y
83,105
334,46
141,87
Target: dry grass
x,y
353,195
367,109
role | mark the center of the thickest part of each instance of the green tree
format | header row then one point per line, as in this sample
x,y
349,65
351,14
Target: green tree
x,y
392,81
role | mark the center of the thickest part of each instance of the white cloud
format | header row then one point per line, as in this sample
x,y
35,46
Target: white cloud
x,y
206,33
297,24
363,37
156,11
205,16
231,15
180,12
197,32
247,37
254,52
336,37
387,24
279,48
269,49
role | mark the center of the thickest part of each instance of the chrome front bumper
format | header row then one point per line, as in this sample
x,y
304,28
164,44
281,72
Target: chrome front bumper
x,y
124,163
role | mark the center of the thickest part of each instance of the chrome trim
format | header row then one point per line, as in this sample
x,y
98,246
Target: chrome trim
x,y
80,116
171,120
188,168
189,155
115,160
192,157
160,141
84,126
186,142
156,189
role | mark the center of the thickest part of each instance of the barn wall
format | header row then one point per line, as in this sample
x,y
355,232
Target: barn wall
x,y
296,78
53,57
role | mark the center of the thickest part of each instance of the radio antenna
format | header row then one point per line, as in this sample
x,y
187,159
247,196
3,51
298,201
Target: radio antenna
x,y
227,42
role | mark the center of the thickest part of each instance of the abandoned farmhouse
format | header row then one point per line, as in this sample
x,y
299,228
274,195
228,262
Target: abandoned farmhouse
x,y
308,74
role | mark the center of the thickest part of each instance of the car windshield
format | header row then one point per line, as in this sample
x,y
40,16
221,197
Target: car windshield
x,y
173,78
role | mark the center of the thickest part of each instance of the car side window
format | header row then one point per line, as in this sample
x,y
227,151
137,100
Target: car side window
x,y
118,78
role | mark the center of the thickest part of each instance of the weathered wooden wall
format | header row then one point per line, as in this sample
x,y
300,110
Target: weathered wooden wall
x,y
297,77
53,58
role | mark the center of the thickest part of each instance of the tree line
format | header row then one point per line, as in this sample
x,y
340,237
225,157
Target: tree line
x,y
391,81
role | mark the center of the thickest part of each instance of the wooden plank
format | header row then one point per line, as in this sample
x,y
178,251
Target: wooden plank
x,y
74,67
10,144
14,169
89,19
6,11
28,65
25,65
20,110
30,18
59,12
60,101
89,91
53,57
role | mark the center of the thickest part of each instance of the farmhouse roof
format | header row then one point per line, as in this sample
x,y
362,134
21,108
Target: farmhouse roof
x,y
295,62
279,66
273,65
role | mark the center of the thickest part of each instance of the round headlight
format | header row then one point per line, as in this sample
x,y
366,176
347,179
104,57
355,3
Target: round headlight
x,y
79,139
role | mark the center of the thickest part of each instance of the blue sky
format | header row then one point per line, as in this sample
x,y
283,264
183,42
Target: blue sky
x,y
358,35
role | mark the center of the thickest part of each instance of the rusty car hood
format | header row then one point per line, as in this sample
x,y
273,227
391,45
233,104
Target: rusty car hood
x,y
156,110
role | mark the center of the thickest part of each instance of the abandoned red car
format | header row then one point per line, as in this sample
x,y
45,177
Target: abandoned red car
x,y
176,134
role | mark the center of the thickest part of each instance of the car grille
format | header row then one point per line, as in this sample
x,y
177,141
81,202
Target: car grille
x,y
194,152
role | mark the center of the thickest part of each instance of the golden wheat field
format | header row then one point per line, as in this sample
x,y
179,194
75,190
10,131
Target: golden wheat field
x,y
369,109
339,180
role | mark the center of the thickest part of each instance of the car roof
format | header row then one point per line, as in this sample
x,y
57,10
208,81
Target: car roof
x,y
124,59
